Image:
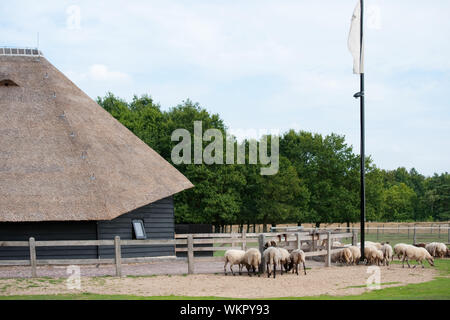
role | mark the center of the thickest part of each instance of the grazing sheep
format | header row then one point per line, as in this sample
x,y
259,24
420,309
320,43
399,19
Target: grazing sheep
x,y
272,257
441,249
420,245
252,260
379,257
399,249
297,257
336,256
437,249
431,248
346,256
233,257
285,259
356,254
343,256
418,254
387,253
371,254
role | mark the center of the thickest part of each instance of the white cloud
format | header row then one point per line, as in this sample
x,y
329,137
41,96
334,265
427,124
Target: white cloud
x,y
100,72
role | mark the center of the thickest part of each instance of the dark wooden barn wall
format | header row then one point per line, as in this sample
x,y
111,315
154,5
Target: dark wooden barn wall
x,y
158,222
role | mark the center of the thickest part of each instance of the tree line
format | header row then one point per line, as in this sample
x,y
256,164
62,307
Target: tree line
x,y
317,181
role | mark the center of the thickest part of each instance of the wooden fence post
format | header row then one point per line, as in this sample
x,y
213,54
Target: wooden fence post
x,y
313,241
378,231
190,255
262,240
118,256
439,235
328,256
299,245
244,239
354,238
414,235
32,245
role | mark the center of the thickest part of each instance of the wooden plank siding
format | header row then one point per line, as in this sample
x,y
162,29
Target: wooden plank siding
x,y
158,220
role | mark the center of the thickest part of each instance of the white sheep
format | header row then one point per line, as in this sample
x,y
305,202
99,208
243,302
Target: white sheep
x,y
418,254
285,259
272,257
252,260
343,255
233,257
379,257
387,253
371,254
297,257
399,249
437,249
356,254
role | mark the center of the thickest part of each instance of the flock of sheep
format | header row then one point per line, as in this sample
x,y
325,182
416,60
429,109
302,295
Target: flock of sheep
x,y
374,253
273,256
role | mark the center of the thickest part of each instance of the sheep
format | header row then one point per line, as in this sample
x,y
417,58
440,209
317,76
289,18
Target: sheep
x,y
346,256
252,260
436,249
418,254
379,257
343,255
297,257
387,253
399,249
371,254
356,254
431,248
336,256
233,257
272,257
285,259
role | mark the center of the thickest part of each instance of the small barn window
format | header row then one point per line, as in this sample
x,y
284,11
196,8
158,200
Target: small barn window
x,y
7,83
139,230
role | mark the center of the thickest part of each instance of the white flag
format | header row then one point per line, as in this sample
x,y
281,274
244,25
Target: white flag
x,y
354,41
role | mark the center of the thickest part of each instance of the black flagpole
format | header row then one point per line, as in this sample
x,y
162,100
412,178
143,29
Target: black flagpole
x,y
362,191
360,95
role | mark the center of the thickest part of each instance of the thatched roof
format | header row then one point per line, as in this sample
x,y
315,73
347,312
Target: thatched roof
x,y
63,157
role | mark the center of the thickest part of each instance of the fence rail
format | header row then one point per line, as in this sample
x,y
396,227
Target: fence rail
x,y
289,240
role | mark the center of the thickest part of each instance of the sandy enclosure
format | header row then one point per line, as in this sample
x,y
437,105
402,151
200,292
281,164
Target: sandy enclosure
x,y
336,280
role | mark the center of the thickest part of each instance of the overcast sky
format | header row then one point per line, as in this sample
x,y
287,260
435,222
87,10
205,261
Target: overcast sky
x,y
262,65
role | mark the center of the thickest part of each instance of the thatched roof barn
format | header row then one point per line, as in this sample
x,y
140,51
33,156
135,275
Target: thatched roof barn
x,y
66,161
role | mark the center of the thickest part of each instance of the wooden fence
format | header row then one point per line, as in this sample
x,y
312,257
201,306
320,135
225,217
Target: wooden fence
x,y
292,240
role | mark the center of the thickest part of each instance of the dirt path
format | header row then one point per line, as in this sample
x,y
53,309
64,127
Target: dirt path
x,y
335,280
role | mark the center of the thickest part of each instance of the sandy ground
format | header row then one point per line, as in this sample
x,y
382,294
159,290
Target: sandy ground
x,y
335,280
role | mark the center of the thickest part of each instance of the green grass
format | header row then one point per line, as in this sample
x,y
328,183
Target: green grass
x,y
437,289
